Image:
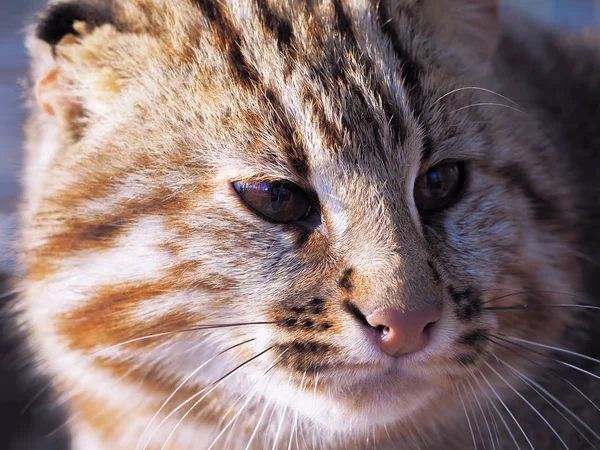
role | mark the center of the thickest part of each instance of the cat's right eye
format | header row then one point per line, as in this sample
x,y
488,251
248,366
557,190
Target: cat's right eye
x,y
279,201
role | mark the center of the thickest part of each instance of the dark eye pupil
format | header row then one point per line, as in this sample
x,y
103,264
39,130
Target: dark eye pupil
x,y
435,183
280,195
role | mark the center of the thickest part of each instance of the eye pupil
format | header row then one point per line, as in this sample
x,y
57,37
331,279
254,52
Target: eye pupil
x,y
280,196
440,187
435,183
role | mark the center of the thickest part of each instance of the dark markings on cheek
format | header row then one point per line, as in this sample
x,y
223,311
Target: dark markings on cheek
x,y
434,272
304,356
543,208
308,317
308,324
473,338
466,360
346,281
459,296
355,312
316,305
290,322
467,305
297,309
468,310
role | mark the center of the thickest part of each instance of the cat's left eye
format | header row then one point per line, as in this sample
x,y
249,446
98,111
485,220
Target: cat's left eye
x,y
279,201
439,187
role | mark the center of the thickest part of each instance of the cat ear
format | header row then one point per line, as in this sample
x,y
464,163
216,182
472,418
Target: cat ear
x,y
471,25
65,45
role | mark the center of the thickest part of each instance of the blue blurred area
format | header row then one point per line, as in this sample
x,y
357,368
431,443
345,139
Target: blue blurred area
x,y
569,13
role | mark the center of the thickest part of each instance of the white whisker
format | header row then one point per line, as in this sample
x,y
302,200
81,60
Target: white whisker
x,y
489,104
215,386
527,379
482,414
540,415
475,88
181,385
467,416
550,347
509,412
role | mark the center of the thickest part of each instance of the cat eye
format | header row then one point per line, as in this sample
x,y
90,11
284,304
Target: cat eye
x,y
439,187
280,201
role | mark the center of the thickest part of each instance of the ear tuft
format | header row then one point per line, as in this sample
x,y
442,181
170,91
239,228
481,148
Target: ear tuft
x,y
58,20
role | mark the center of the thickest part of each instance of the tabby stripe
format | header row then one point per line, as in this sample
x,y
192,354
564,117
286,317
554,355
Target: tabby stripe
x,y
392,113
279,27
230,41
328,130
544,209
411,71
90,233
292,144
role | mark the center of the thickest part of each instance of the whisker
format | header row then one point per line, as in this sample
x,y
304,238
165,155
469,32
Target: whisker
x,y
491,402
508,411
482,414
467,416
550,347
552,372
181,385
285,408
184,330
216,384
526,306
489,104
476,89
529,292
579,369
522,377
493,418
294,426
262,414
254,390
539,414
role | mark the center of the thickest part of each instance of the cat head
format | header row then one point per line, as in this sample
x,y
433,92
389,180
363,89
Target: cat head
x,y
325,202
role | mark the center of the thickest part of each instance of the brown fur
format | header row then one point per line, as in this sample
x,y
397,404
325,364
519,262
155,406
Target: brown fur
x,y
135,244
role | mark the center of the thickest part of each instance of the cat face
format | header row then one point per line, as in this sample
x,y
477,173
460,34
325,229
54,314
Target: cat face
x,y
321,192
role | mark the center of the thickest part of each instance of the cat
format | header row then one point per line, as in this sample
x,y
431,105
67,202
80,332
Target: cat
x,y
328,224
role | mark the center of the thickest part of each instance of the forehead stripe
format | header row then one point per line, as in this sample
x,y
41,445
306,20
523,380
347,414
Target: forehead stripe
x,y
228,38
375,82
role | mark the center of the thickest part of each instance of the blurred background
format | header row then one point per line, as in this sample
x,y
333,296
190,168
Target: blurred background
x,y
32,427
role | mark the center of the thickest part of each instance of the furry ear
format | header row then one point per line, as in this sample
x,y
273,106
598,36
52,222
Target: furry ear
x,y
471,25
58,20
66,48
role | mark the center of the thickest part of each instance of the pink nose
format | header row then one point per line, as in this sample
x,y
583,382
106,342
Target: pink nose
x,y
403,332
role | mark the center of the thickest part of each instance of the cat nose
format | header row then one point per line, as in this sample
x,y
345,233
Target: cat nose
x,y
403,332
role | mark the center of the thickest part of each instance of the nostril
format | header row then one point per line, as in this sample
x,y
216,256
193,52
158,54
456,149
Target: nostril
x,y
383,330
428,327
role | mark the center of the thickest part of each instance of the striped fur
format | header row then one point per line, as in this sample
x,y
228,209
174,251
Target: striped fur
x,y
134,241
